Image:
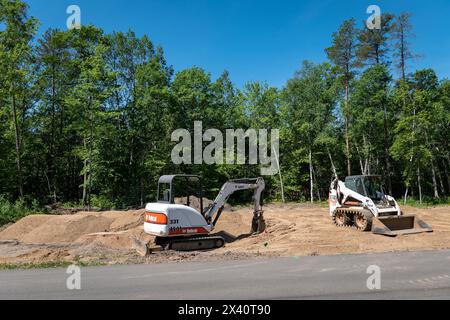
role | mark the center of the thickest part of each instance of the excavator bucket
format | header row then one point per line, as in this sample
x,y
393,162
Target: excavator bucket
x,y
258,224
400,225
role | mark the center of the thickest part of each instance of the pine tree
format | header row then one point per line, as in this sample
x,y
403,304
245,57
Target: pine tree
x,y
373,46
343,54
401,34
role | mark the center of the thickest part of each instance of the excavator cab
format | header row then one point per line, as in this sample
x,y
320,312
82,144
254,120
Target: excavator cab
x,y
181,189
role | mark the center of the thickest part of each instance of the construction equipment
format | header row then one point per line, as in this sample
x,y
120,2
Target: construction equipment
x,y
361,203
183,228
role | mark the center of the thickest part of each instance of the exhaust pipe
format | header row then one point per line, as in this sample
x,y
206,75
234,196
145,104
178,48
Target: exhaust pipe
x,y
400,225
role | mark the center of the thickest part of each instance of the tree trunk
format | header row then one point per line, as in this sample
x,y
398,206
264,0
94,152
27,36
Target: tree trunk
x,y
347,139
91,138
332,164
18,142
406,196
433,170
142,191
441,183
433,176
402,54
52,142
386,151
85,176
377,55
280,175
317,187
366,156
447,175
361,165
311,179
419,185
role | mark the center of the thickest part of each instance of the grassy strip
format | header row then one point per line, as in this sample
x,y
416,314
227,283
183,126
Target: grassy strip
x,y
48,265
29,266
426,203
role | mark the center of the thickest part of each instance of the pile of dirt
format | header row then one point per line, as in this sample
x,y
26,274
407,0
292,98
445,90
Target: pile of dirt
x,y
42,238
292,230
300,230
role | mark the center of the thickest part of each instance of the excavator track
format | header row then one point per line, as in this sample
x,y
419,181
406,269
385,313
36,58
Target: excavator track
x,y
194,243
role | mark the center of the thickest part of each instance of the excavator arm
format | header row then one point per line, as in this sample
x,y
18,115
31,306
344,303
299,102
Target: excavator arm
x,y
213,212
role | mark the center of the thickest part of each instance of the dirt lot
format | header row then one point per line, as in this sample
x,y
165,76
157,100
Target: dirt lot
x,y
293,230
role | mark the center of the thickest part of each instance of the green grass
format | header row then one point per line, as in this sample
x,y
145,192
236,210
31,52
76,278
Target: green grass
x,y
48,265
28,266
426,203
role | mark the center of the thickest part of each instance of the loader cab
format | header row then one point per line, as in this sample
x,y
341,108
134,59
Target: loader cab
x,y
181,189
369,186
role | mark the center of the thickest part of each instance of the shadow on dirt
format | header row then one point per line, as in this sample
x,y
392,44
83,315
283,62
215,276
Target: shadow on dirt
x,y
229,238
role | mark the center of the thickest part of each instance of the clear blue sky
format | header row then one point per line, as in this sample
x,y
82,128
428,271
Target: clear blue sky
x,y
252,39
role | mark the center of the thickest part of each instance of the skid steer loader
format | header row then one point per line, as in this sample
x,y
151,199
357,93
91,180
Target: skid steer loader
x,y
361,203
185,227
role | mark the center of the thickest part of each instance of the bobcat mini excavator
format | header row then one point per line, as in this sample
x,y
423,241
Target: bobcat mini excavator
x,y
182,227
361,203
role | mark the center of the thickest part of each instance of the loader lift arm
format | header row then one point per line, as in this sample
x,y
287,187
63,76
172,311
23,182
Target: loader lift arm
x,y
214,211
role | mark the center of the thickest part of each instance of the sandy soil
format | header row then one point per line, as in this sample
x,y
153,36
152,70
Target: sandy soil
x,y
307,230
293,230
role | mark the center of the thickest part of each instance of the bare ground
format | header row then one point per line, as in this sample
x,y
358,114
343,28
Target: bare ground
x,y
293,230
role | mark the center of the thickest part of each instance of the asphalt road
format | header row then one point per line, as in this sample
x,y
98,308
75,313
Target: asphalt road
x,y
419,275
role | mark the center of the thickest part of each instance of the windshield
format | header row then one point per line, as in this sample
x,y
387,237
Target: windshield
x,y
164,193
185,190
374,188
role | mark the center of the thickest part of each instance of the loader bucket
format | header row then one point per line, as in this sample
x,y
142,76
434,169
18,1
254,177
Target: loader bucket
x,y
400,225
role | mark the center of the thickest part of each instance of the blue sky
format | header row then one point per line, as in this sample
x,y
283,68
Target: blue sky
x,y
253,40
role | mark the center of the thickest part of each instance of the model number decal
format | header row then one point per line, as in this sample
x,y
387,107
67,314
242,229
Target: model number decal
x,y
175,230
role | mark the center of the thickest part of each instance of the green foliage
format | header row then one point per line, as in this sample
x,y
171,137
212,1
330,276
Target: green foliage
x,y
343,50
427,202
13,211
86,118
102,203
373,47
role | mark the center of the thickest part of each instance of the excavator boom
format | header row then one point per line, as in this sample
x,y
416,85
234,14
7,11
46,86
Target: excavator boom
x,y
214,212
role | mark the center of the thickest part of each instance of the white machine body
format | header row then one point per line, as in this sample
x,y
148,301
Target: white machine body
x,y
353,199
170,220
166,219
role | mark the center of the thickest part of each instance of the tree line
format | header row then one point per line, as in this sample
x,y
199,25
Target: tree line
x,y
86,117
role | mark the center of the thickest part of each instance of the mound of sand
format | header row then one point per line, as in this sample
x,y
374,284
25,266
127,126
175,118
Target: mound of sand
x,y
44,229
299,230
